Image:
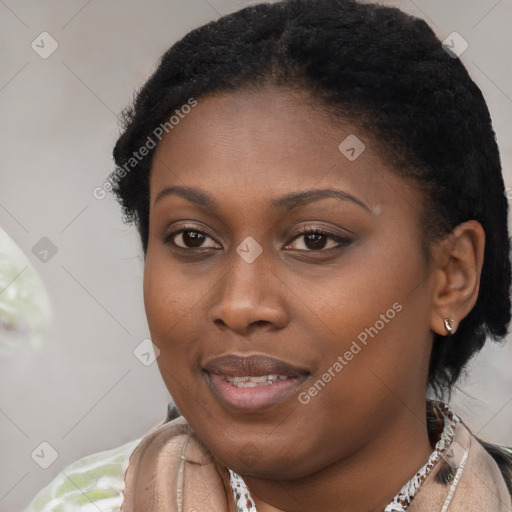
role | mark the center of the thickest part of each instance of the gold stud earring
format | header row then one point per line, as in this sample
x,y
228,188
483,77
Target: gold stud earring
x,y
448,325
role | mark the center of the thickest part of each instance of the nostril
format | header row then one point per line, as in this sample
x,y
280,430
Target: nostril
x,y
260,322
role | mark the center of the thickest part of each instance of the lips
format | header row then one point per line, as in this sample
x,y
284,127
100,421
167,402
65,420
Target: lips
x,y
253,383
251,366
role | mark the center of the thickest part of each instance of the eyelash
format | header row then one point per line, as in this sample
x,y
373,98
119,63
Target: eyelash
x,y
342,241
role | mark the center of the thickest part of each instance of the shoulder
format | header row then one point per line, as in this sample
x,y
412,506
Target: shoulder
x,y
482,480
171,468
94,482
164,447
171,435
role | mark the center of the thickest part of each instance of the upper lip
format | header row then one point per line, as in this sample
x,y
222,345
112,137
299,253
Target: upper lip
x,y
251,366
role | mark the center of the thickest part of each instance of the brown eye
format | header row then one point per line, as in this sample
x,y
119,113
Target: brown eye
x,y
318,240
315,240
190,239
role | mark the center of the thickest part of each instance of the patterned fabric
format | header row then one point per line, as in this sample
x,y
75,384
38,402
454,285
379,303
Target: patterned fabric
x,y
403,499
242,496
91,484
400,503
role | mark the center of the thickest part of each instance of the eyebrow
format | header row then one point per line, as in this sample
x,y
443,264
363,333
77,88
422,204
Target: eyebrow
x,y
287,202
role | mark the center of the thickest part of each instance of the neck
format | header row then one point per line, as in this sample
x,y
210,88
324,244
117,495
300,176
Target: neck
x,y
366,480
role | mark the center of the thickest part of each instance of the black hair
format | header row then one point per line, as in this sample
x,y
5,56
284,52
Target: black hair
x,y
388,73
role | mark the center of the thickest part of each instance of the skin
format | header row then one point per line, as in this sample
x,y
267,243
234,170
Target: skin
x,y
297,303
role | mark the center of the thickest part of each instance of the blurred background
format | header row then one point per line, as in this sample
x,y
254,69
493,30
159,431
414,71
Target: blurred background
x,y
71,309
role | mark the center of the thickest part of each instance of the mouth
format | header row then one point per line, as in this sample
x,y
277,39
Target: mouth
x,y
253,383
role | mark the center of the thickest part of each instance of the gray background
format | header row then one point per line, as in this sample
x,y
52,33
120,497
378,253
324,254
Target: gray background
x,y
84,391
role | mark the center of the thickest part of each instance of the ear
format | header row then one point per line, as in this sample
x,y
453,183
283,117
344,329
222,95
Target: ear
x,y
458,260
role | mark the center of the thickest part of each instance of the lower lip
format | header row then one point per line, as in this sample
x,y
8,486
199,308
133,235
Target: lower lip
x,y
254,399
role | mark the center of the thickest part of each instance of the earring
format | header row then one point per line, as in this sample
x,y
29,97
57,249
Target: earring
x,y
448,325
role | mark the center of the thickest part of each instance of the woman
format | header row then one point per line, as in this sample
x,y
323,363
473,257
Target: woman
x,y
319,197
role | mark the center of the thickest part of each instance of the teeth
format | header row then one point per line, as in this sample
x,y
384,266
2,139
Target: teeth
x,y
251,382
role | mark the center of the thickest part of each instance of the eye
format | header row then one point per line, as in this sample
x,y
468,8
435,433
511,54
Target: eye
x,y
190,238
314,240
317,239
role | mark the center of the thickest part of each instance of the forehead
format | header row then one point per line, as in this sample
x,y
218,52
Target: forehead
x,y
262,144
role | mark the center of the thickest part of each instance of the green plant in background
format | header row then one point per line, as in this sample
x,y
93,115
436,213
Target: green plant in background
x,y
25,309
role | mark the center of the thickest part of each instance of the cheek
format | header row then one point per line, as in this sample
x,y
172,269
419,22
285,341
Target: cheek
x,y
170,296
174,305
375,317
166,308
166,303
349,298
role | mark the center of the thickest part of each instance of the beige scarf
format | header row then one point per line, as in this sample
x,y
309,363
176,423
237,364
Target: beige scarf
x,y
172,471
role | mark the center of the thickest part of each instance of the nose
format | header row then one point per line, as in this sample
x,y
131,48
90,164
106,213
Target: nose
x,y
249,295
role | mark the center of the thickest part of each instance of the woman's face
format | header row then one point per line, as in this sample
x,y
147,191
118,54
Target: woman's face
x,y
333,328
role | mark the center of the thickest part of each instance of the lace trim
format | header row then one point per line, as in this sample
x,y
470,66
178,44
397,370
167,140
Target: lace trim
x,y
400,503
241,494
403,499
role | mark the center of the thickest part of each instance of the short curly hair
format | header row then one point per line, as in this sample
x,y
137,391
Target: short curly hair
x,y
387,72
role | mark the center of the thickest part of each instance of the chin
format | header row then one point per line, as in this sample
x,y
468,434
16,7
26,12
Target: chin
x,y
259,462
